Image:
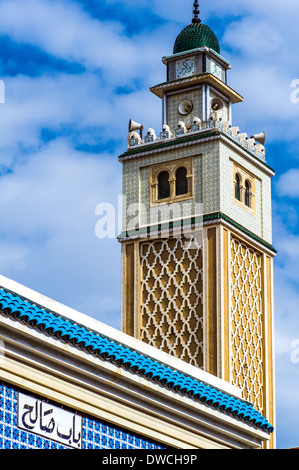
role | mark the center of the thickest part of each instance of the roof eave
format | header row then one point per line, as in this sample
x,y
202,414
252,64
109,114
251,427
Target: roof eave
x,y
203,49
163,88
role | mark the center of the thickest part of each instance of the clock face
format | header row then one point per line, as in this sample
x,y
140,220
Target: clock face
x,y
185,68
216,70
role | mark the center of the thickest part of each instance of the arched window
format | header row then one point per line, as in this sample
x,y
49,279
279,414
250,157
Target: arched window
x,y
181,182
238,187
247,193
171,181
163,185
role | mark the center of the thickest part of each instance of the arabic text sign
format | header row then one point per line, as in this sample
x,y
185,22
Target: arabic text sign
x,y
49,421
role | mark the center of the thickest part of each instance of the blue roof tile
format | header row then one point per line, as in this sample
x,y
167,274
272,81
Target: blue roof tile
x,y
123,356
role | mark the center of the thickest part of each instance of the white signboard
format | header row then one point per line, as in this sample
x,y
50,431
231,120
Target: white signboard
x,y
49,421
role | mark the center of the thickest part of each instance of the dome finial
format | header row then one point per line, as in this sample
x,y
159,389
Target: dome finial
x,y
196,12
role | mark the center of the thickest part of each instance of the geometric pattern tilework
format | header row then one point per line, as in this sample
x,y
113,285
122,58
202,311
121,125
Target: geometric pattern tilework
x,y
246,322
259,223
95,434
171,298
136,181
173,101
214,170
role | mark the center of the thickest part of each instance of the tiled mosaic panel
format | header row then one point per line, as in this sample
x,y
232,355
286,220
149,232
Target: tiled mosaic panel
x,y
173,101
210,63
96,435
259,223
136,179
172,297
198,63
213,184
247,322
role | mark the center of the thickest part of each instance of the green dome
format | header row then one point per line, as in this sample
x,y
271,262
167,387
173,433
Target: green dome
x,y
194,36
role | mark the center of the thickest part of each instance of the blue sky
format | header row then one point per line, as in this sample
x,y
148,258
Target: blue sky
x,y
75,72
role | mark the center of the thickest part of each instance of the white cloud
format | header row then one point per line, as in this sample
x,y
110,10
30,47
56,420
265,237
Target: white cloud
x,y
82,105
288,184
286,300
13,256
48,204
53,185
251,37
255,40
64,30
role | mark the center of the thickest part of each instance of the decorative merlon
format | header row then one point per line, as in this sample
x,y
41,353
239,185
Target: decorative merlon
x,y
252,145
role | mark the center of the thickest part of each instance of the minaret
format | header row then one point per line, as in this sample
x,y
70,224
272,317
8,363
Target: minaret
x,y
197,254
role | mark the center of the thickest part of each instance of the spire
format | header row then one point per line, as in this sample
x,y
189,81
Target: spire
x,y
196,12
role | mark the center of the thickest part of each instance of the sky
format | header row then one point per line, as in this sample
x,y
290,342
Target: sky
x,y
74,73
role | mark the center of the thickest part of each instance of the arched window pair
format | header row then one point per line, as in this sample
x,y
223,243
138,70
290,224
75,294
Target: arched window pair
x,y
181,183
171,181
238,192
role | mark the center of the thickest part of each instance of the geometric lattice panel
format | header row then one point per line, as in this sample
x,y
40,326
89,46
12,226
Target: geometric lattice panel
x,y
172,297
247,322
95,433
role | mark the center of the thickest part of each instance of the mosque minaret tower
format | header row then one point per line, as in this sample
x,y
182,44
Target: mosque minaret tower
x,y
197,261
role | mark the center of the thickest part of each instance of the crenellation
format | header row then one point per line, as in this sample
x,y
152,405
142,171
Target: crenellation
x,y
194,126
